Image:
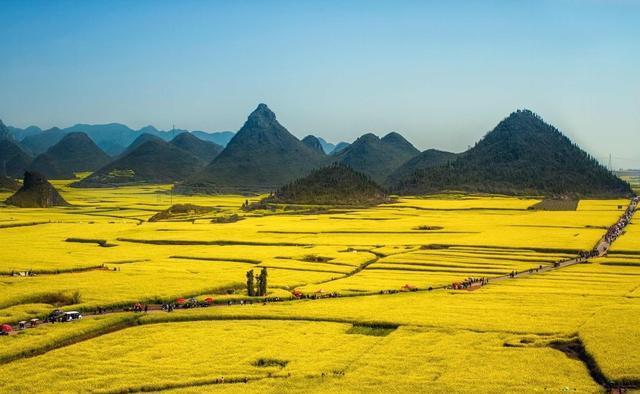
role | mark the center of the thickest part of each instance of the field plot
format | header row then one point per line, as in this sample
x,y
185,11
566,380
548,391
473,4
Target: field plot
x,y
308,353
377,312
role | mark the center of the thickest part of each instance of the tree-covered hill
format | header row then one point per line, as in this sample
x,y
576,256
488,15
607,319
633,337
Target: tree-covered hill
x,y
521,155
204,150
76,152
262,156
377,157
336,184
427,159
151,162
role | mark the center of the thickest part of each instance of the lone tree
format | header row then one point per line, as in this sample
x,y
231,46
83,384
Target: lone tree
x,y
251,291
262,282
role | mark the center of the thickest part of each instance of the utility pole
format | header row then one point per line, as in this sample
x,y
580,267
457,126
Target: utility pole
x,y
610,165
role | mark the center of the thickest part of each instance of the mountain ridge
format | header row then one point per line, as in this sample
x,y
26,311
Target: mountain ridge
x,y
113,138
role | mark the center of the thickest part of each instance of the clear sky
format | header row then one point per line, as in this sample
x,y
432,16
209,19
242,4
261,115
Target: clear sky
x,y
441,73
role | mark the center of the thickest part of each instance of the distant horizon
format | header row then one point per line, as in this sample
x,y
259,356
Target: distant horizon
x,y
440,74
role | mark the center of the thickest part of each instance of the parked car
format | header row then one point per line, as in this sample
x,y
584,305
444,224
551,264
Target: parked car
x,y
69,316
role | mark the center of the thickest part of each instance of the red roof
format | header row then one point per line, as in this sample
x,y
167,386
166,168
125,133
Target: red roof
x,y
6,328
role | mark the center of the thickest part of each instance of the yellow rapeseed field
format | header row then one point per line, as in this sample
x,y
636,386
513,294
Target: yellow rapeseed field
x,y
359,327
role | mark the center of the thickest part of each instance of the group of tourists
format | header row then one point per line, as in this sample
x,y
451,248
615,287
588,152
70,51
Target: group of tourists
x,y
470,282
584,255
138,307
616,230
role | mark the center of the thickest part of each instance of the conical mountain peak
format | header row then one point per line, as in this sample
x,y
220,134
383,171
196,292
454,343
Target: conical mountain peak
x,y
75,152
397,141
261,117
76,137
368,137
262,156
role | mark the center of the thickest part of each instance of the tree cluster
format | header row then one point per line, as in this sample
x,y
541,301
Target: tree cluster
x,y
259,290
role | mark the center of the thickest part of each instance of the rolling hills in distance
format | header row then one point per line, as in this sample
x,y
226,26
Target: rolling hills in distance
x,y
75,152
522,155
113,138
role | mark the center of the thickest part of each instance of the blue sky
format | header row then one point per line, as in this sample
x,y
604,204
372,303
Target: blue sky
x,y
440,73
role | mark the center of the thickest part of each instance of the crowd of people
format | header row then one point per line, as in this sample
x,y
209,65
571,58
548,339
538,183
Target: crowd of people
x,y
469,282
612,234
616,230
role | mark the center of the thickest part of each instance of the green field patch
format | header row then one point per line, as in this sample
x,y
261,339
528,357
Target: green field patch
x,y
555,205
372,330
270,362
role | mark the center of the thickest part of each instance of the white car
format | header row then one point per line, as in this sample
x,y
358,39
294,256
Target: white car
x,y
72,315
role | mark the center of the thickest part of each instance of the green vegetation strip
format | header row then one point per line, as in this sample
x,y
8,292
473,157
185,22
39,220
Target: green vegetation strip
x,y
12,225
101,242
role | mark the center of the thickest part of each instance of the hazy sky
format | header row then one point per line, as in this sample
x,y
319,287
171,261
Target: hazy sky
x,y
441,73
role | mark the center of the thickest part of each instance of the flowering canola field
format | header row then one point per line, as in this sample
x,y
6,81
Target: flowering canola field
x,y
357,327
